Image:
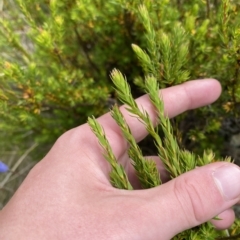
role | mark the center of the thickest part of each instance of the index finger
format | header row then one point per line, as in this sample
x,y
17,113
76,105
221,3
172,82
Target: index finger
x,y
177,99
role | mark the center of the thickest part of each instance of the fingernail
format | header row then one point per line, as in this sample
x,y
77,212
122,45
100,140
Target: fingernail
x,y
227,179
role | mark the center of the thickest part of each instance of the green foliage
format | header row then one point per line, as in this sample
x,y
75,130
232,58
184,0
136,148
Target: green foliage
x,y
176,160
118,175
56,58
55,61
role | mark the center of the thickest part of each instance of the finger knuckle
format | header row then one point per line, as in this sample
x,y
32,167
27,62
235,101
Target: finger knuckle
x,y
191,199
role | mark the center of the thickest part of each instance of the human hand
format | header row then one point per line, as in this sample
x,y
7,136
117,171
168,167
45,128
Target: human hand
x,y
67,195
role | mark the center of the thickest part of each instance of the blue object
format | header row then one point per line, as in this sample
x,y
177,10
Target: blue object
x,y
3,167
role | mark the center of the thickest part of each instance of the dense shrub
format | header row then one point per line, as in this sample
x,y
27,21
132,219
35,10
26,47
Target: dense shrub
x,y
56,57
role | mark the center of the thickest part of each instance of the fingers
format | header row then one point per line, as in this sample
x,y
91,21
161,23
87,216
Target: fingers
x,y
177,99
194,198
227,218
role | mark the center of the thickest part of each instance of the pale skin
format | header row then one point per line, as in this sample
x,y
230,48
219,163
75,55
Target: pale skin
x,y
67,195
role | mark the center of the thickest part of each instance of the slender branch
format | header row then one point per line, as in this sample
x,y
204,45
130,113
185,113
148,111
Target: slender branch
x,y
16,165
94,66
208,9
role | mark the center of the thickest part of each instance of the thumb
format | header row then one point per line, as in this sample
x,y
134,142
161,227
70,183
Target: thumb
x,y
194,198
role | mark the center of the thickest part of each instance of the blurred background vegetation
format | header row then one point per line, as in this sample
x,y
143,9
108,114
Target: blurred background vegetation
x,y
56,56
